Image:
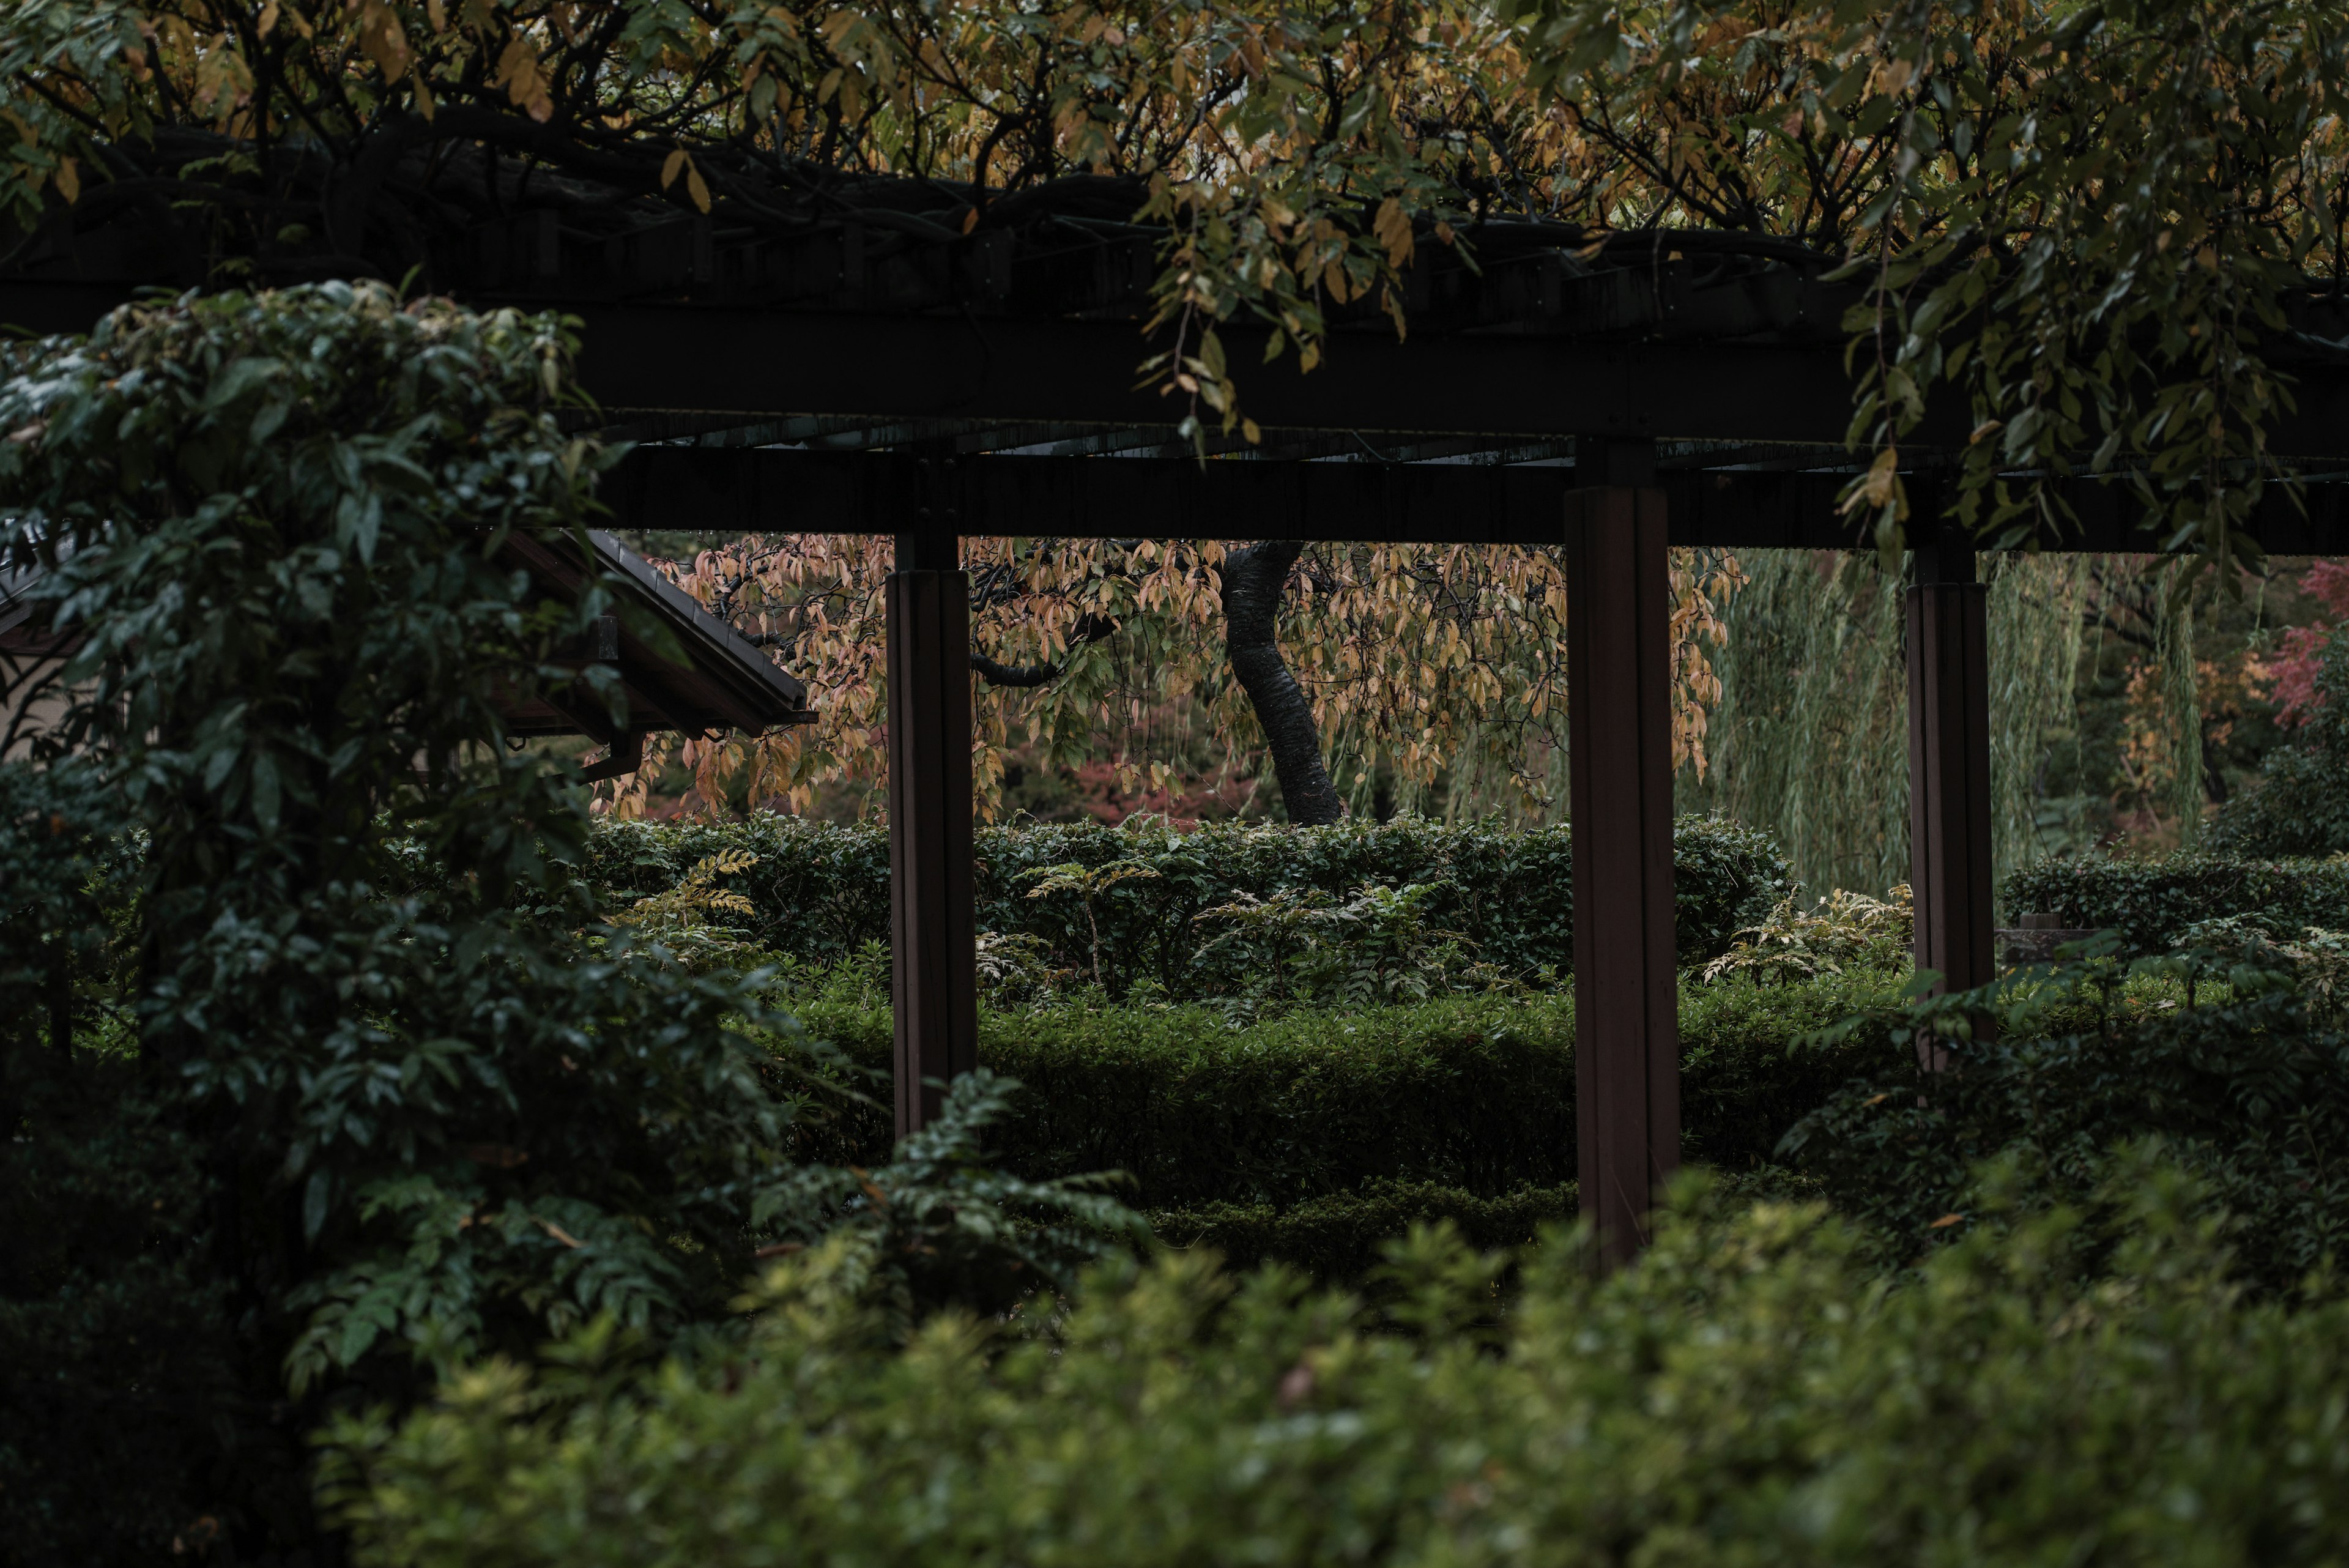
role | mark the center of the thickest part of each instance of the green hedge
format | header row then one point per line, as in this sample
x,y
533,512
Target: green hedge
x,y
2243,1091
2149,902
1473,1093
822,890
1337,1237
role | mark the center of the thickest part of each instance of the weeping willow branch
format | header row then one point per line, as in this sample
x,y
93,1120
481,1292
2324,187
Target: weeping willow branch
x,y
2181,701
1810,734
1812,728
2035,623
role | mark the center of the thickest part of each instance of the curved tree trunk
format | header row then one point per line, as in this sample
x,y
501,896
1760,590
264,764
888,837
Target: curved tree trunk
x,y
1256,580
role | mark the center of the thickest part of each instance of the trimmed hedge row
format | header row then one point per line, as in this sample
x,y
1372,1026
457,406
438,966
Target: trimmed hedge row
x,y
1339,1237
1471,1092
820,891
2149,902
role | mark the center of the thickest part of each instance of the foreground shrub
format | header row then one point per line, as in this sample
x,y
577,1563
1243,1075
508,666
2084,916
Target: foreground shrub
x,y
2151,903
2247,1093
1748,1393
821,891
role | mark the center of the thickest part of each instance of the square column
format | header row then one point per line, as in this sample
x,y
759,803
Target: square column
x,y
1626,994
933,974
1948,768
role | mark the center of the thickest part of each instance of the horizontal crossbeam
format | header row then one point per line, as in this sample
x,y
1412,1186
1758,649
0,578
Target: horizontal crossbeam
x,y
784,490
1505,381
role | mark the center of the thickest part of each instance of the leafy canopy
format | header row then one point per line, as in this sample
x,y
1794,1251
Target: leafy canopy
x,y
2096,224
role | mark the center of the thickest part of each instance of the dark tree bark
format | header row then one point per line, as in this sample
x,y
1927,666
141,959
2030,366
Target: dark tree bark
x,y
1256,581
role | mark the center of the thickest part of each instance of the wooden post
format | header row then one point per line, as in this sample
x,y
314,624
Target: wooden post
x,y
1626,997
1949,769
934,982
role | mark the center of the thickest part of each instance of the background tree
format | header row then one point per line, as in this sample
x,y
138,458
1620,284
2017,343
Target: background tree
x,y
1413,660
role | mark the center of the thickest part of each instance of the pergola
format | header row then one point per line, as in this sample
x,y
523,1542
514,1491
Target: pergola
x,y
883,373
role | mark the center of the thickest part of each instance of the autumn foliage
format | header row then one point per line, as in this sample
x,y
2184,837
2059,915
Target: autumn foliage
x,y
2301,650
1418,659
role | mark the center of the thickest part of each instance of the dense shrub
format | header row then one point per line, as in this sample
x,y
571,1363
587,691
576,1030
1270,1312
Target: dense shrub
x,y
1471,1093
2152,902
1747,1393
821,892
2243,1090
367,1136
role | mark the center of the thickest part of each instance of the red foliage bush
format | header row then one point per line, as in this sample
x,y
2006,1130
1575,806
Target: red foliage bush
x,y
2303,647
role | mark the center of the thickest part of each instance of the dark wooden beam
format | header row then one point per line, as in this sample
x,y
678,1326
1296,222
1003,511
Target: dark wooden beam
x,y
1949,769
746,490
933,937
1626,996
1541,376
717,359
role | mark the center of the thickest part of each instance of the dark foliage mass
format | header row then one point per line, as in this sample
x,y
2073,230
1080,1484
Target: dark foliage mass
x,y
322,1133
2302,807
2245,1092
821,892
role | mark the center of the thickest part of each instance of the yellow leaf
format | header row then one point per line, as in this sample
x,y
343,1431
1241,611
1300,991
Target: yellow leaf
x,y
423,93
970,220
525,80
694,186
669,167
1946,1219
384,39
68,180
268,23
